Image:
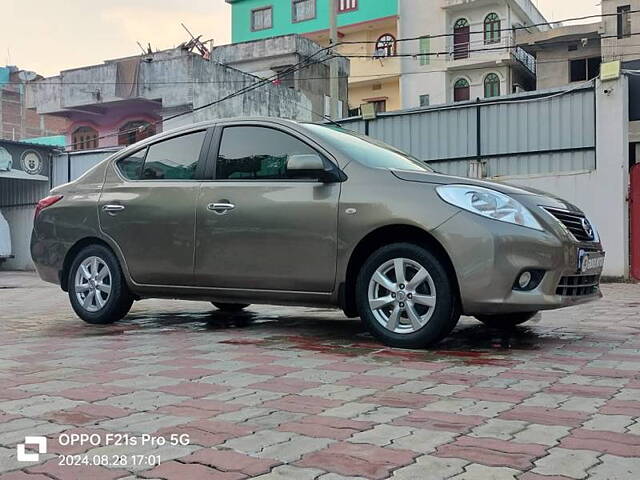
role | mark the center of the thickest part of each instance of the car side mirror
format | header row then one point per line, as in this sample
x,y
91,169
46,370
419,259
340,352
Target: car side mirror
x,y
310,165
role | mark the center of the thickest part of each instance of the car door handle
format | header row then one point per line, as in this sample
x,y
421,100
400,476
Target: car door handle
x,y
113,209
220,208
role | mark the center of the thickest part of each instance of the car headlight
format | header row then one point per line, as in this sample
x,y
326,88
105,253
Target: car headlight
x,y
488,203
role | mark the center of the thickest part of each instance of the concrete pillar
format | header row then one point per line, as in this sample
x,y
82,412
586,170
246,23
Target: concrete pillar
x,y
612,173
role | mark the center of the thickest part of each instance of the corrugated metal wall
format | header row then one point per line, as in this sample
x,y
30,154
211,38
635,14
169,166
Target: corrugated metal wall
x,y
517,135
78,163
15,192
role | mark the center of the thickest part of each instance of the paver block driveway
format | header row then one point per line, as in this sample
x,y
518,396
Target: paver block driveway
x,y
284,393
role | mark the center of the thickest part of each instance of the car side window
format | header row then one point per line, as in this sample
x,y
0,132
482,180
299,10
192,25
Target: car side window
x,y
256,153
131,167
174,159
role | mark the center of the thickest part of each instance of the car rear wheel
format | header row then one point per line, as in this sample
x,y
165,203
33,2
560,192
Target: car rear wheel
x,y
509,320
230,307
406,297
96,286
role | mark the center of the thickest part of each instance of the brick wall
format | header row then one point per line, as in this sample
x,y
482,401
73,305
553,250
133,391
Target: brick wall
x,y
17,122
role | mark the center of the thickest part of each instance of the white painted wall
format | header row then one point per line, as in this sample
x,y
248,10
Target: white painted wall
x,y
419,17
601,193
20,220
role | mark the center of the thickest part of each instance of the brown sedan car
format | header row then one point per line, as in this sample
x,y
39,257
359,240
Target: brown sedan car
x,y
273,211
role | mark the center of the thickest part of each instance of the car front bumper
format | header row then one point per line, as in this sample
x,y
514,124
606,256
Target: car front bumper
x,y
488,257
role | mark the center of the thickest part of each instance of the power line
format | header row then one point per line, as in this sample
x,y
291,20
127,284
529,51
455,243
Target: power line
x,y
296,67
510,29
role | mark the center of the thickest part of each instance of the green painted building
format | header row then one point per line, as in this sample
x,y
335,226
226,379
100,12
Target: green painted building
x,y
257,19
367,27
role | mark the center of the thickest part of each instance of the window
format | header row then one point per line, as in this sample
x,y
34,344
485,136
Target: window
x,y
131,167
261,19
461,91
492,29
379,105
624,21
347,5
584,69
461,39
366,150
424,100
491,86
257,153
173,159
84,138
385,46
303,10
425,49
132,132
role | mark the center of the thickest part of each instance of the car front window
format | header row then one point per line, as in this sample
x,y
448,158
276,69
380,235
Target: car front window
x,y
366,150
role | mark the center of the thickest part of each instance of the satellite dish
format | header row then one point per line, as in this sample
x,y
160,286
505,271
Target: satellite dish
x,y
26,76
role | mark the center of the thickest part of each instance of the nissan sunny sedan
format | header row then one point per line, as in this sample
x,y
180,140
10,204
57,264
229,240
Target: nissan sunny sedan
x,y
272,211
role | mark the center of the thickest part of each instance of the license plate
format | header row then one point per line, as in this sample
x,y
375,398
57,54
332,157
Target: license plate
x,y
590,262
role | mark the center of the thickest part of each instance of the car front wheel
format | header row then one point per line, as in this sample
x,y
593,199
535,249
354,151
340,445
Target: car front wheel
x,y
406,297
96,286
509,320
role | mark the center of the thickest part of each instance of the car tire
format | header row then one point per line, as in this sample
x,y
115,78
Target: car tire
x,y
111,299
417,325
506,321
230,307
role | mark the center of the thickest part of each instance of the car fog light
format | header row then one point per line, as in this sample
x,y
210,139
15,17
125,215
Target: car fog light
x,y
524,280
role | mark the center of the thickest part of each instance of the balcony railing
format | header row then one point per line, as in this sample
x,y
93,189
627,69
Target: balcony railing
x,y
478,49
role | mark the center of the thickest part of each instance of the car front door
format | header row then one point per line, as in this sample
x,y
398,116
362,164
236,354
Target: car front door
x,y
147,207
258,227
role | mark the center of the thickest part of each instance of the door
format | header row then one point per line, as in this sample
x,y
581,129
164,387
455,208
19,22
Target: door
x,y
258,228
634,221
147,207
461,39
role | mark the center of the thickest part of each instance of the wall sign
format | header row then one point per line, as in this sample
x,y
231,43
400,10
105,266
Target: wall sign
x,y
32,162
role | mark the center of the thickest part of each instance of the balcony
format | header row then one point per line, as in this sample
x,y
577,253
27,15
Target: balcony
x,y
477,53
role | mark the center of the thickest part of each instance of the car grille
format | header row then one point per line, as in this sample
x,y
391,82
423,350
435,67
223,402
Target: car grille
x,y
573,221
578,286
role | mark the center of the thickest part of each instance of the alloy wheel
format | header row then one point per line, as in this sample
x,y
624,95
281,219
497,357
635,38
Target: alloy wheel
x,y
93,284
402,295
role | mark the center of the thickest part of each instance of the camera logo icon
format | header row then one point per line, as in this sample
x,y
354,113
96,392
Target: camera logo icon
x,y
23,456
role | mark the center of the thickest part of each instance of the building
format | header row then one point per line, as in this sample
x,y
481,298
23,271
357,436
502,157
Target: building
x,y
276,57
24,180
16,121
464,49
374,78
564,55
122,101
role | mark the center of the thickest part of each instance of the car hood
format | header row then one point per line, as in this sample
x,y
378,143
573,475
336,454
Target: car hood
x,y
529,195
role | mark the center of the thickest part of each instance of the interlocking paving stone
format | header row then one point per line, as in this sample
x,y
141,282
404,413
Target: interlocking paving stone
x,y
230,461
493,452
430,468
616,468
570,463
553,400
358,459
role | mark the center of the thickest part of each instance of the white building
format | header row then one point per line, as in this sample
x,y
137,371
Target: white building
x,y
476,58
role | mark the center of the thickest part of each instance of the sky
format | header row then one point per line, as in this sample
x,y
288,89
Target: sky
x,y
48,36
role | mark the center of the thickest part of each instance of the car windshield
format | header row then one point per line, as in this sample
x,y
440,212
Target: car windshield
x,y
366,150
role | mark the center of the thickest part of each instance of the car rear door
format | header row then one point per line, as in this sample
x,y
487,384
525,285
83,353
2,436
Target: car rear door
x,y
147,207
257,228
